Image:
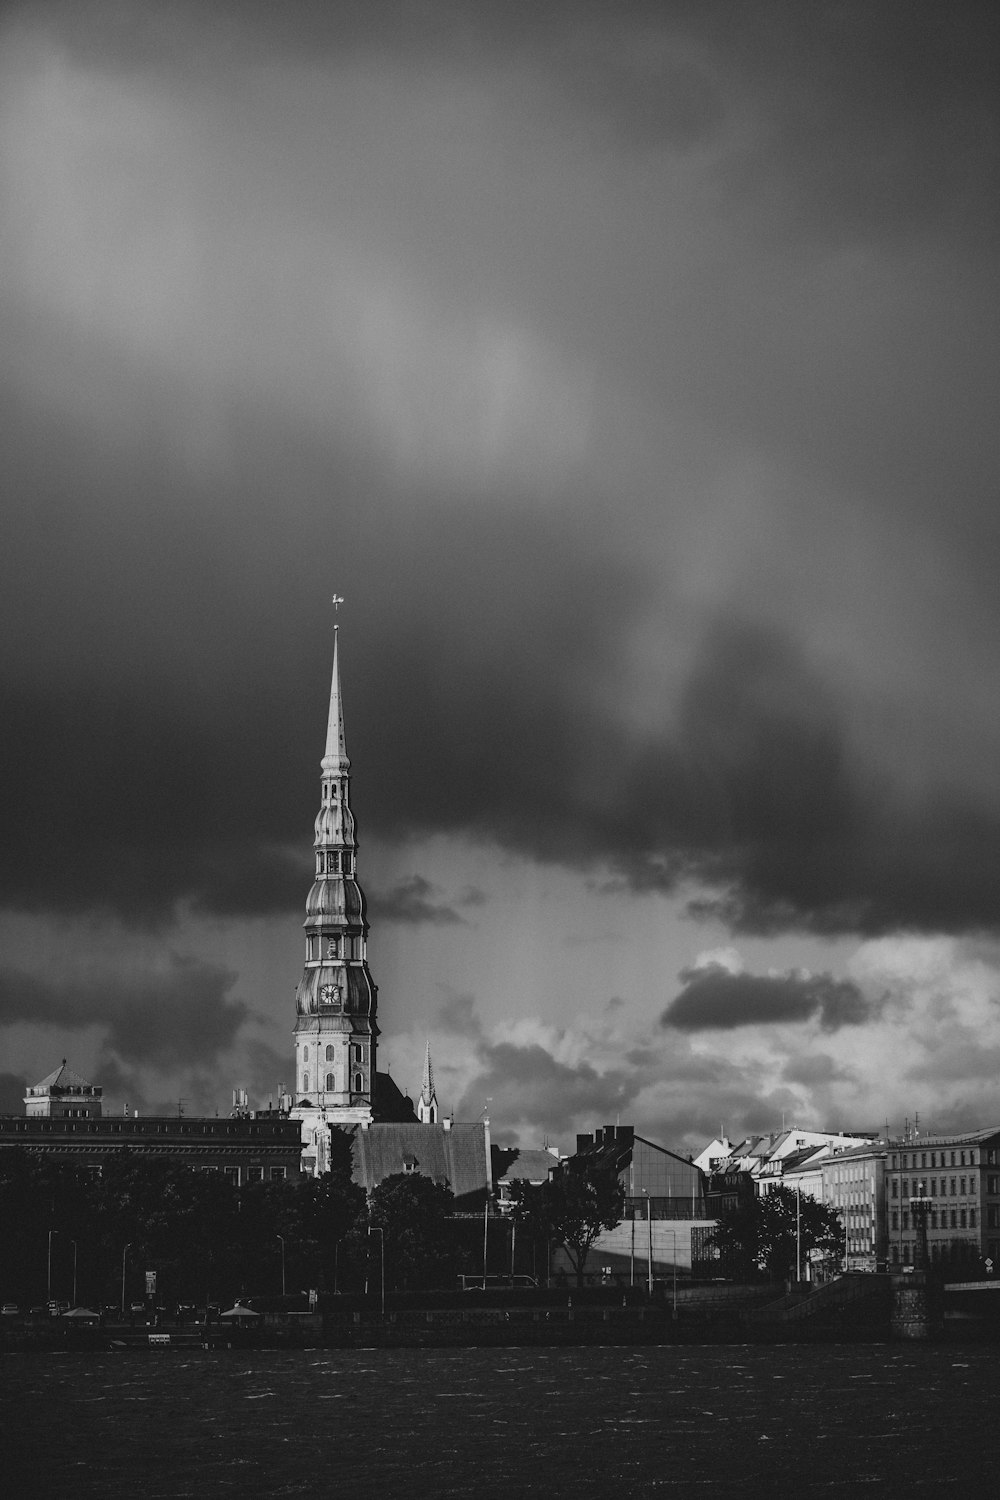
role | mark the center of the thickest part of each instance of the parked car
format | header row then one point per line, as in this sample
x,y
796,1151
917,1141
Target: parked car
x,y
55,1308
9,1310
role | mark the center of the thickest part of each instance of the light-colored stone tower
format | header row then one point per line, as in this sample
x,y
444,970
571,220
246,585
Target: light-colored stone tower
x,y
335,1030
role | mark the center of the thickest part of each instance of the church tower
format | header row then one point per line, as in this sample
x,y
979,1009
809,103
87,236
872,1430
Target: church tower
x,y
335,1029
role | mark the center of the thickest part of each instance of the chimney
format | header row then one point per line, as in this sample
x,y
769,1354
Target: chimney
x,y
583,1143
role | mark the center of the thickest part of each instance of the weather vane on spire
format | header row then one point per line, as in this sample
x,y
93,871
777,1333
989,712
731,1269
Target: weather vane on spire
x,y
337,601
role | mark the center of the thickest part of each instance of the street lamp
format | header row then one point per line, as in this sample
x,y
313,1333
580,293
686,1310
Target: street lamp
x,y
649,1242
281,1237
377,1229
48,1283
73,1243
673,1236
125,1251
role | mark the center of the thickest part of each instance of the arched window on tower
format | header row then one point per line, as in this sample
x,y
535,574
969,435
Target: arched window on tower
x,y
329,1082
359,1083
329,1054
305,1054
305,1083
332,862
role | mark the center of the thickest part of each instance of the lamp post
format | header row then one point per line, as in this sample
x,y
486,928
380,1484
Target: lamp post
x,y
673,1236
649,1243
73,1243
281,1237
377,1229
125,1251
48,1281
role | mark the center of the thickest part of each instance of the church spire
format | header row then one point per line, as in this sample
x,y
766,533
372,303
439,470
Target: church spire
x,y
335,1031
427,1105
336,760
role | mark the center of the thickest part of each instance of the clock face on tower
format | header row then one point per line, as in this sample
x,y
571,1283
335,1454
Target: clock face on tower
x,y
330,994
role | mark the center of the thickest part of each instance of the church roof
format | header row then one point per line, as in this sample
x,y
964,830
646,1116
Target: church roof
x,y
453,1154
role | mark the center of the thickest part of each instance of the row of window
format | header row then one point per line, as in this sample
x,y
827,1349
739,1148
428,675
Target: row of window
x,y
919,1188
334,862
333,947
334,789
357,1053
959,1218
330,1084
909,1159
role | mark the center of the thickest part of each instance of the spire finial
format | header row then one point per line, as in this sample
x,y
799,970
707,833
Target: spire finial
x,y
337,601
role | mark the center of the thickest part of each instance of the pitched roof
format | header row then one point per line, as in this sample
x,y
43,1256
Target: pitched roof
x,y
453,1154
61,1078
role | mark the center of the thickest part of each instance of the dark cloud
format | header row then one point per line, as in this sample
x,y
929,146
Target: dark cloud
x,y
713,998
12,1088
345,342
413,901
179,1017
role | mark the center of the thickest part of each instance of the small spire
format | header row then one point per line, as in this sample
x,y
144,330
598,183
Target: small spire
x,y
427,1105
336,758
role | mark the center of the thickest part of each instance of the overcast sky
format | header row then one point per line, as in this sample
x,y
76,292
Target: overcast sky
x,y
632,372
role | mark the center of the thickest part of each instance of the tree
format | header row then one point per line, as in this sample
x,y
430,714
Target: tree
x,y
763,1233
575,1205
413,1214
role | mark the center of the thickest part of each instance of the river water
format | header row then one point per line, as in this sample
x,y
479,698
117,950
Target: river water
x,y
719,1420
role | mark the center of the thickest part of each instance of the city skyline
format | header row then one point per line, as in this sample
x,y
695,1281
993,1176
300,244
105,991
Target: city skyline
x,y
630,372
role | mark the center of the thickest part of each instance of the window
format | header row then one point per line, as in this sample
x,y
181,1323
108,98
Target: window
x,y
954,1219
305,1054
232,1174
906,1187
906,1219
329,1082
952,1158
962,1188
895,1187
277,1174
993,1184
972,1218
332,947
934,1218
312,947
329,1054
255,1174
359,1083
933,1187
953,1181
305,1083
963,1158
963,1218
923,1158
332,863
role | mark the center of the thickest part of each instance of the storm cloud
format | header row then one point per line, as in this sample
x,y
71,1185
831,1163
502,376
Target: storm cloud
x,y
713,998
180,1016
351,363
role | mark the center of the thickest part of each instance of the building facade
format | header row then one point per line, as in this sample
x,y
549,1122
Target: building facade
x,y
960,1175
853,1182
